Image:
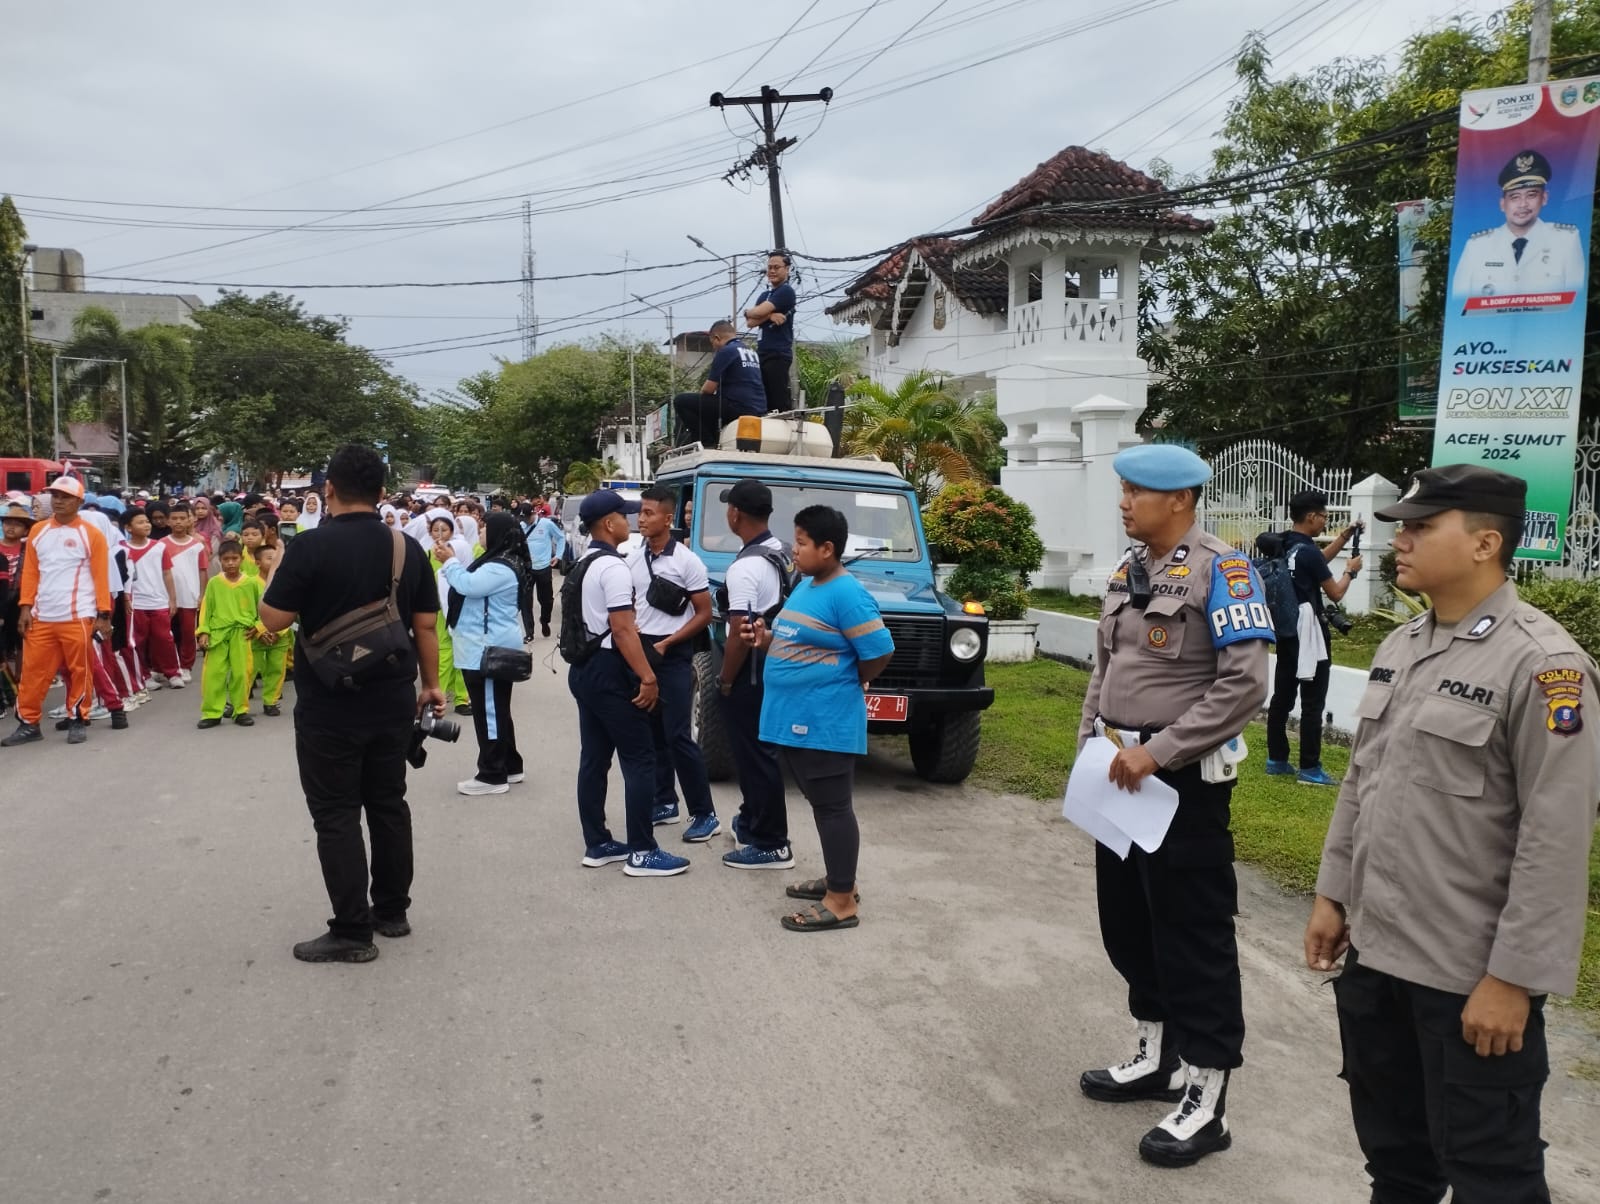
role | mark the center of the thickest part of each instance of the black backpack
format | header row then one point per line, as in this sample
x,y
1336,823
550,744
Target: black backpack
x,y
782,560
1277,581
574,640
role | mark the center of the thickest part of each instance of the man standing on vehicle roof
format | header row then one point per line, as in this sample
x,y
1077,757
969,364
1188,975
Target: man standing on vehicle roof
x,y
732,387
1180,667
773,315
754,589
1457,862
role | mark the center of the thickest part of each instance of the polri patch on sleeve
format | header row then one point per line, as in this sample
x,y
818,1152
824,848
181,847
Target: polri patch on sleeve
x,y
1563,695
1235,606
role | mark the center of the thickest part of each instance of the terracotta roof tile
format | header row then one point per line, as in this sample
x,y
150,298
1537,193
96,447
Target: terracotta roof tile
x,y
984,290
1078,174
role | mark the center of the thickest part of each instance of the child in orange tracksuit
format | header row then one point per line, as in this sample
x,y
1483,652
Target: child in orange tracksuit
x,y
65,597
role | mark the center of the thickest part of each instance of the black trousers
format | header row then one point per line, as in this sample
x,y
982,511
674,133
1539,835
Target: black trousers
x,y
775,380
345,769
609,724
1166,919
827,779
545,591
1428,1111
762,805
676,753
491,721
701,417
1313,700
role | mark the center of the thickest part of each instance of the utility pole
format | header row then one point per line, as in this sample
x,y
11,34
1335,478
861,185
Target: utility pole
x,y
672,354
1539,40
766,155
530,320
122,392
26,332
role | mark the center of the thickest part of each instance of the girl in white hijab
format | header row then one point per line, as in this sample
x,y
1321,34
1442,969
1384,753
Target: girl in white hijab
x,y
390,516
310,512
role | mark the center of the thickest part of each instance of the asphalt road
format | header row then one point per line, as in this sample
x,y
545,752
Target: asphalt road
x,y
559,1034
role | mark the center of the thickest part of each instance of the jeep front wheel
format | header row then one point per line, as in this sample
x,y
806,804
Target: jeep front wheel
x,y
946,749
709,732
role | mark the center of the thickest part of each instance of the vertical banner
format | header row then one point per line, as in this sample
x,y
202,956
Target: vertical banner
x,y
1419,379
1515,303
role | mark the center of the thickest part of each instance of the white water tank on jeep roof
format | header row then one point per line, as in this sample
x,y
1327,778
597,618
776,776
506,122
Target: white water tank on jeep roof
x,y
781,435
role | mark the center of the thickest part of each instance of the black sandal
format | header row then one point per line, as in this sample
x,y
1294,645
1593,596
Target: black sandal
x,y
816,918
815,889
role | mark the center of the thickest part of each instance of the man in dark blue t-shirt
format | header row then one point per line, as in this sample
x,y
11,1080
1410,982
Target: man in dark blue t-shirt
x,y
773,315
733,387
1308,563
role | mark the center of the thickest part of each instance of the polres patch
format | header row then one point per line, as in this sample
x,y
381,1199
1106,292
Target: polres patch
x,y
1235,571
1158,637
1563,693
1234,607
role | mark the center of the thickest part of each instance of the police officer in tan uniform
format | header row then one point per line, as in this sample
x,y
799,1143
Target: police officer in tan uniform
x,y
1180,668
1455,871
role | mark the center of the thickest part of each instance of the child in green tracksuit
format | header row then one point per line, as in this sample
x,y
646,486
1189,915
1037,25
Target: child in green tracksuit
x,y
229,617
270,649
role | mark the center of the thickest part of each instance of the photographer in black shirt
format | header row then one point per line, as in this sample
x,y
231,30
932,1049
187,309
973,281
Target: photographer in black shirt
x,y
351,743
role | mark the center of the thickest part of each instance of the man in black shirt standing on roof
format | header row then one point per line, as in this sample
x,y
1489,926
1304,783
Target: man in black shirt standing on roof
x,y
351,745
773,315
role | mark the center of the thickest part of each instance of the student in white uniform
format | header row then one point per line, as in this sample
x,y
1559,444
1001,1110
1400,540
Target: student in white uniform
x,y
673,599
616,689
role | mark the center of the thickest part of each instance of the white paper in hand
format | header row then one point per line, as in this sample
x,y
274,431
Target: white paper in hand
x,y
1115,817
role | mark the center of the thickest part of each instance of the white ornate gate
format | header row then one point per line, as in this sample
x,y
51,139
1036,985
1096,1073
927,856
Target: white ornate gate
x,y
1581,555
1251,484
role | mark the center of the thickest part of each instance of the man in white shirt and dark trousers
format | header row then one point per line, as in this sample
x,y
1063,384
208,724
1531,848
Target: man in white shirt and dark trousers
x,y
673,597
754,590
616,690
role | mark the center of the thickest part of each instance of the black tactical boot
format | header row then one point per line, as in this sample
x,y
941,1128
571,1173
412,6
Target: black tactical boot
x,y
1198,1127
1155,1072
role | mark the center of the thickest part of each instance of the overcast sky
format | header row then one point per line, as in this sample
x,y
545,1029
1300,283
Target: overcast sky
x,y
332,108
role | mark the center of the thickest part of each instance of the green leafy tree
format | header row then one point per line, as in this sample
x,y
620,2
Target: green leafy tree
x,y
922,427
13,411
1284,319
282,388
453,434
163,426
818,365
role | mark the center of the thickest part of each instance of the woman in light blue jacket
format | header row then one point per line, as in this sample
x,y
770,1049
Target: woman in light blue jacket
x,y
484,611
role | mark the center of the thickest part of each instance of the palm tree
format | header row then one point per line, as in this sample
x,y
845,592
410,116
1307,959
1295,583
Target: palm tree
x,y
585,475
928,432
162,423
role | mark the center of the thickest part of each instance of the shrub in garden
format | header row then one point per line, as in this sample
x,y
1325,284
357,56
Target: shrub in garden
x,y
992,536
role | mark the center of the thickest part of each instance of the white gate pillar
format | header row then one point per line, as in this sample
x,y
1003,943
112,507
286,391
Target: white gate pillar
x,y
1368,592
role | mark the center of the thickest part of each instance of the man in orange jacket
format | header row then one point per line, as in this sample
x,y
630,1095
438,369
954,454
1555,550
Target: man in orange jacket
x,y
65,599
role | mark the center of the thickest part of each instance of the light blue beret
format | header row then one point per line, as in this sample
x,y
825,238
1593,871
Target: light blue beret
x,y
1161,466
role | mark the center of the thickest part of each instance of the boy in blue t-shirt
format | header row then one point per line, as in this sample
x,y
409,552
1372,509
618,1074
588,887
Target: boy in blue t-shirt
x,y
824,648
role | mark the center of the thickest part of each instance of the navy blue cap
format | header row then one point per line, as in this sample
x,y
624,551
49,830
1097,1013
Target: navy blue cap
x,y
1161,466
603,502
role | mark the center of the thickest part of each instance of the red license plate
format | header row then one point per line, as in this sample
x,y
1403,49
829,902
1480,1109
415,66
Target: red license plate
x,y
887,708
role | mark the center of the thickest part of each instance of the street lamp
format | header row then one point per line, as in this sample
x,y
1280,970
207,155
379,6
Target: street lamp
x,y
733,277
672,351
28,249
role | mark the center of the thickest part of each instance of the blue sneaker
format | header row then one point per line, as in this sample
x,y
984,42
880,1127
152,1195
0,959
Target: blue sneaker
x,y
741,832
1315,777
664,813
702,827
748,857
608,853
654,863
1278,769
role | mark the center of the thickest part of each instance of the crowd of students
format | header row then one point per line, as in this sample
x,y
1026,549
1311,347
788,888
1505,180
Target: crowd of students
x,y
185,575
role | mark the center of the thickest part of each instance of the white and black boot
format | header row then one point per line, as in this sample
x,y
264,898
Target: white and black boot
x,y
1155,1072
1198,1127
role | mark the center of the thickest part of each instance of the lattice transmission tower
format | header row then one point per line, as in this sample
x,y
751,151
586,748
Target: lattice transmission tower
x,y
529,321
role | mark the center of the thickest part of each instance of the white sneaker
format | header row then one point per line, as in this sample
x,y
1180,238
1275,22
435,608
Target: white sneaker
x,y
154,682
59,712
98,711
514,778
143,696
184,673
473,786
176,683
130,703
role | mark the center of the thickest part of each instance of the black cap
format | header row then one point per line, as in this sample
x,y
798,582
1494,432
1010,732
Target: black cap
x,y
749,495
1459,487
602,502
1526,169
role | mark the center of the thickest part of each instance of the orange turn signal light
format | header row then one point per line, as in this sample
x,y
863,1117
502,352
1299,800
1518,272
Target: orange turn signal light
x,y
749,428
973,608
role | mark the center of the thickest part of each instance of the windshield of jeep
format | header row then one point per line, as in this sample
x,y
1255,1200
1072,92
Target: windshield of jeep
x,y
880,522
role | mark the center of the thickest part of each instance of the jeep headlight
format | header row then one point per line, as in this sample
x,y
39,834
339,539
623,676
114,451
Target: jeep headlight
x,y
965,643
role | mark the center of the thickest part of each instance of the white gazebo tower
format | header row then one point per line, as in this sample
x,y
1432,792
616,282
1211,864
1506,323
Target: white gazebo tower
x,y
1072,235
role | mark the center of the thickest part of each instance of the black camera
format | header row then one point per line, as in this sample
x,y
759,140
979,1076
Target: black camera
x,y
1339,621
428,727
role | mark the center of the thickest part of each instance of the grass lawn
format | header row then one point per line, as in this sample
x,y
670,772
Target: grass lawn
x,y
1029,737
1086,605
